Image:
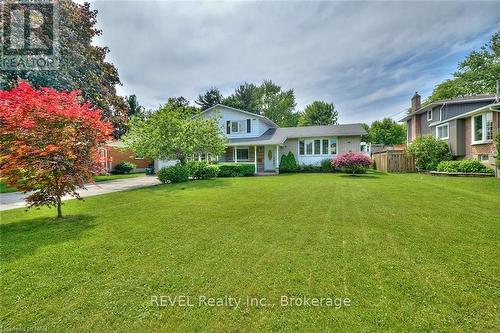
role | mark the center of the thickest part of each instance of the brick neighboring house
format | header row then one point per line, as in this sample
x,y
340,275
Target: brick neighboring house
x,y
115,152
469,124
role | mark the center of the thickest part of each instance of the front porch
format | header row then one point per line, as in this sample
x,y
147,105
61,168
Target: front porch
x,y
265,158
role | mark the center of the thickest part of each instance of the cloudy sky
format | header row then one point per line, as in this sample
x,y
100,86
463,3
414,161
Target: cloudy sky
x,y
368,58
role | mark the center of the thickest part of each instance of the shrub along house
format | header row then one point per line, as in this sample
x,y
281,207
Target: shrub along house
x,y
255,139
469,124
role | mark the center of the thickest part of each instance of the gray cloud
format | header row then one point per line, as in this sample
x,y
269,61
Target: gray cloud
x,y
367,58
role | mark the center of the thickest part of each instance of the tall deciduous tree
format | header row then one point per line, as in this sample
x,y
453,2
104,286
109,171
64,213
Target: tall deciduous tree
x,y
50,143
210,98
476,74
245,97
318,113
388,132
268,100
82,65
169,134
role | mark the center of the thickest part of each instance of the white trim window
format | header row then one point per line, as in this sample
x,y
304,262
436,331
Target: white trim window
x,y
315,147
238,126
482,128
429,115
443,131
242,153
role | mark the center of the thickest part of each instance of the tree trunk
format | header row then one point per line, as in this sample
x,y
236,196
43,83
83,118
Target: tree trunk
x,y
59,212
182,160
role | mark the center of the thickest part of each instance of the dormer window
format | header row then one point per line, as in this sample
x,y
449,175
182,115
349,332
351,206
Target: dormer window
x,y
239,126
429,115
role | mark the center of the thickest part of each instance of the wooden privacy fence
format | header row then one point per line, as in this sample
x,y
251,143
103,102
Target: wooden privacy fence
x,y
393,161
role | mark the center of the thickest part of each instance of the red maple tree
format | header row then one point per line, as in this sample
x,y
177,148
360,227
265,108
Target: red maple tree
x,y
49,143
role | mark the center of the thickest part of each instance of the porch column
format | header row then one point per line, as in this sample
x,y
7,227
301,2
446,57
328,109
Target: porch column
x,y
255,158
277,157
235,155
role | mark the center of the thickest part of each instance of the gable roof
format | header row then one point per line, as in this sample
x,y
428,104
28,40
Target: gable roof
x,y
458,100
263,118
274,136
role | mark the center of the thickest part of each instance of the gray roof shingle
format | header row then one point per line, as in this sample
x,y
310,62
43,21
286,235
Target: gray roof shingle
x,y
278,135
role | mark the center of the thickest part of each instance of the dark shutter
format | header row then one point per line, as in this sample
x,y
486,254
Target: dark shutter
x,y
249,125
228,127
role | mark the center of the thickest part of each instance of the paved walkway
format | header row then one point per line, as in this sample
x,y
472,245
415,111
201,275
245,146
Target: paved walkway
x,y
16,199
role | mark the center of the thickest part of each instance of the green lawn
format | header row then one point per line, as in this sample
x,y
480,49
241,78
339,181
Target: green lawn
x,y
118,176
5,189
411,252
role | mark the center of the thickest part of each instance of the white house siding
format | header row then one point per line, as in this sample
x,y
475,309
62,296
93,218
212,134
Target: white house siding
x,y
163,163
344,144
349,143
258,127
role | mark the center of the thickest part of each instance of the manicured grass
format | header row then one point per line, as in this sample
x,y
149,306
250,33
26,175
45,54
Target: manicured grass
x,y
118,176
411,252
5,189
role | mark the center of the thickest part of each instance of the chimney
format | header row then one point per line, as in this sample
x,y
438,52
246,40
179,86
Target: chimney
x,y
415,102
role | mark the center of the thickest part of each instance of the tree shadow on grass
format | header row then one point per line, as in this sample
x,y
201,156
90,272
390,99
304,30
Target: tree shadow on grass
x,y
191,185
26,236
362,176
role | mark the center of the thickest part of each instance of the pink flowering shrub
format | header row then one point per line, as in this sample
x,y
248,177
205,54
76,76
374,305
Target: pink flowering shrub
x,y
352,162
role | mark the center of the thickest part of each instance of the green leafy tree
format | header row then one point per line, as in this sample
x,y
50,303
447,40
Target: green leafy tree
x,y
82,65
169,134
268,100
476,74
388,132
245,97
181,104
318,113
428,152
210,98
277,105
366,137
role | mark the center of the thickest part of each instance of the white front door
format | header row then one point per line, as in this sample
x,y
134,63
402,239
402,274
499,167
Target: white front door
x,y
269,158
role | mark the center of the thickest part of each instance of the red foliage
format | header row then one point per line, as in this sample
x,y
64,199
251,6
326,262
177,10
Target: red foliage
x,y
50,142
352,162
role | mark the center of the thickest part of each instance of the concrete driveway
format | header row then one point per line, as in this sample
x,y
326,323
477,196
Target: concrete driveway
x,y
16,199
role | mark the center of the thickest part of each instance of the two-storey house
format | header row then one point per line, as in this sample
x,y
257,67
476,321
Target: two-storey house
x,y
253,138
469,124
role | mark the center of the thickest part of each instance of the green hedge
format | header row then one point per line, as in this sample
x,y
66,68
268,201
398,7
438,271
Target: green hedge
x,y
173,174
470,166
202,170
236,170
124,167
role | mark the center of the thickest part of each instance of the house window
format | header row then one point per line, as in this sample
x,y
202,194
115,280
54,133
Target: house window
x,y
429,115
482,127
333,146
325,146
238,126
242,154
317,147
309,147
301,147
442,132
483,157
314,147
